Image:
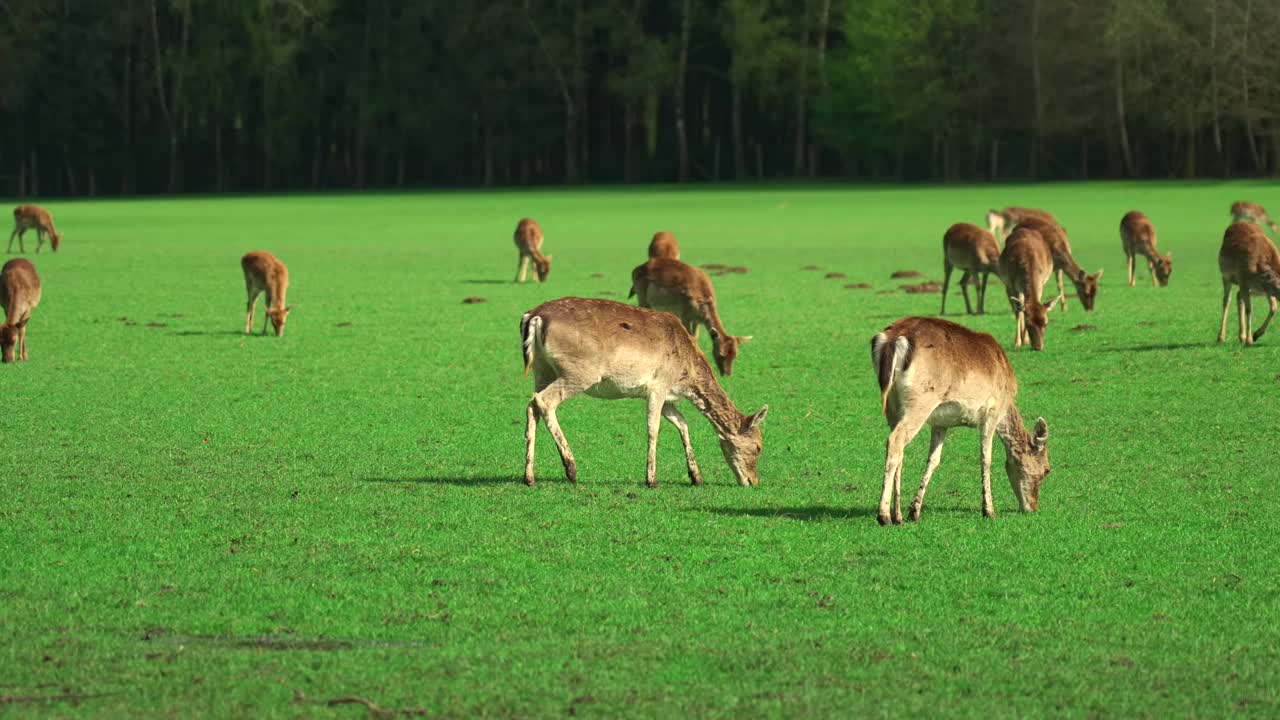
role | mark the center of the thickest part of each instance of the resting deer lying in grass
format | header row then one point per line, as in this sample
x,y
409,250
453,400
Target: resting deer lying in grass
x,y
686,292
1251,212
19,295
663,245
937,373
1249,260
264,272
1138,236
1060,248
528,237
1025,267
34,217
1002,222
611,350
974,251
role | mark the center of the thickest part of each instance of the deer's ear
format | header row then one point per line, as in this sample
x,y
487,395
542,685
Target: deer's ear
x,y
1041,435
1098,275
743,338
757,418
1168,255
1018,305
1049,308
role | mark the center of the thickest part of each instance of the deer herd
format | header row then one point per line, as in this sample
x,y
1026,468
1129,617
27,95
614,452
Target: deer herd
x,y
930,371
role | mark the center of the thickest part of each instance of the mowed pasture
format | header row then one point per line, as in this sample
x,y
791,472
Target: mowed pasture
x,y
194,521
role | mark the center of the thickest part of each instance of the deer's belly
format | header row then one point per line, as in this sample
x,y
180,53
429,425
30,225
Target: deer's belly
x,y
613,389
954,414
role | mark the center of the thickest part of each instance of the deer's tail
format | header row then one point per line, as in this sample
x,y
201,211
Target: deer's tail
x,y
530,337
889,359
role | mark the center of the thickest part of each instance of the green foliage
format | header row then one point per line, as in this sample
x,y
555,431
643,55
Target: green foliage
x,y
196,522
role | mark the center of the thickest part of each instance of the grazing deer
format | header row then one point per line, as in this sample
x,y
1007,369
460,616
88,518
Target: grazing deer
x,y
1251,212
1249,260
1060,248
34,217
1002,222
1138,236
1025,267
663,245
528,237
264,271
19,295
937,373
611,350
686,292
974,251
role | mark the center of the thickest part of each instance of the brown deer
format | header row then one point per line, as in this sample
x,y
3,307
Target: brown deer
x,y
34,217
1251,212
1025,267
686,292
1002,222
611,350
528,237
1249,260
1060,248
937,373
264,272
19,295
974,251
1138,236
663,245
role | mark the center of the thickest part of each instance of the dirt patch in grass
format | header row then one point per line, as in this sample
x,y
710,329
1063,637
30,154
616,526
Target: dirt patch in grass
x,y
810,267
722,269
473,300
931,286
1083,327
858,286
157,324
344,323
834,276
899,274
886,292
597,275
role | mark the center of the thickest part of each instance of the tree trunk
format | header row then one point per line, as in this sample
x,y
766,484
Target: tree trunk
x,y
1244,86
682,135
802,96
1126,154
1213,77
1037,92
739,157
126,94
628,130
169,110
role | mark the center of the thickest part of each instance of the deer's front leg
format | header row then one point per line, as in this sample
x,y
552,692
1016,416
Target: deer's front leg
x,y
964,290
1226,309
1130,261
670,412
936,437
655,420
1151,268
946,283
12,236
988,434
22,342
982,294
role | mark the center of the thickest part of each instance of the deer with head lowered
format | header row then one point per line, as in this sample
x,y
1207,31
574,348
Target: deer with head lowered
x,y
1138,236
974,251
1242,211
686,292
611,350
528,237
263,272
34,217
663,245
1025,267
937,373
19,295
1249,260
1060,250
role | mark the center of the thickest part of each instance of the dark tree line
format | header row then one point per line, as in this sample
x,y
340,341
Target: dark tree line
x,y
148,96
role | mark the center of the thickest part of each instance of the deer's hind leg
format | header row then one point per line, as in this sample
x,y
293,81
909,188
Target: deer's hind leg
x,y
1226,308
1274,303
964,289
545,402
673,415
522,268
903,432
946,283
253,293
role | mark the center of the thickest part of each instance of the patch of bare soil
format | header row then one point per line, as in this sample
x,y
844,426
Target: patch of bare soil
x,y
473,300
345,323
834,275
157,324
858,286
810,267
931,286
1083,327
898,275
597,275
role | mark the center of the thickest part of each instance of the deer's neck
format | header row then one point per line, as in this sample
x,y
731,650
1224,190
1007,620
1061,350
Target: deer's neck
x,y
1013,433
711,400
710,316
1069,266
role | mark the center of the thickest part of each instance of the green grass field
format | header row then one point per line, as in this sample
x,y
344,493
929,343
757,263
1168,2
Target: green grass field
x,y
196,522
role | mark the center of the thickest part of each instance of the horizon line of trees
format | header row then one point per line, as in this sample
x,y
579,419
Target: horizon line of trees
x,y
151,96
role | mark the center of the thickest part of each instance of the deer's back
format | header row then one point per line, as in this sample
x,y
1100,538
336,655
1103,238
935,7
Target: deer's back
x,y
668,283
1247,252
1245,209
663,245
1019,214
968,246
951,362
1136,231
528,235
32,216
19,285
265,268
1026,262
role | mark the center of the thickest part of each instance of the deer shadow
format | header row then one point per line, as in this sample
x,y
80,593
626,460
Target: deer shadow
x,y
192,333
455,481
489,282
1159,346
815,513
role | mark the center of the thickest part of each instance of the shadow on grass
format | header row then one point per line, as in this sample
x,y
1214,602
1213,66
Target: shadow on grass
x,y
815,513
488,282
458,481
1159,347
190,333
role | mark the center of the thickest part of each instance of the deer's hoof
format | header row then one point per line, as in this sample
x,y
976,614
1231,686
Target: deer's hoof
x,y
883,519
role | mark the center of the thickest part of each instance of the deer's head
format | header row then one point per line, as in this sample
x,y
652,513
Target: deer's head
x,y
1087,288
1027,467
724,348
54,241
1036,319
279,315
1162,265
541,267
742,446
